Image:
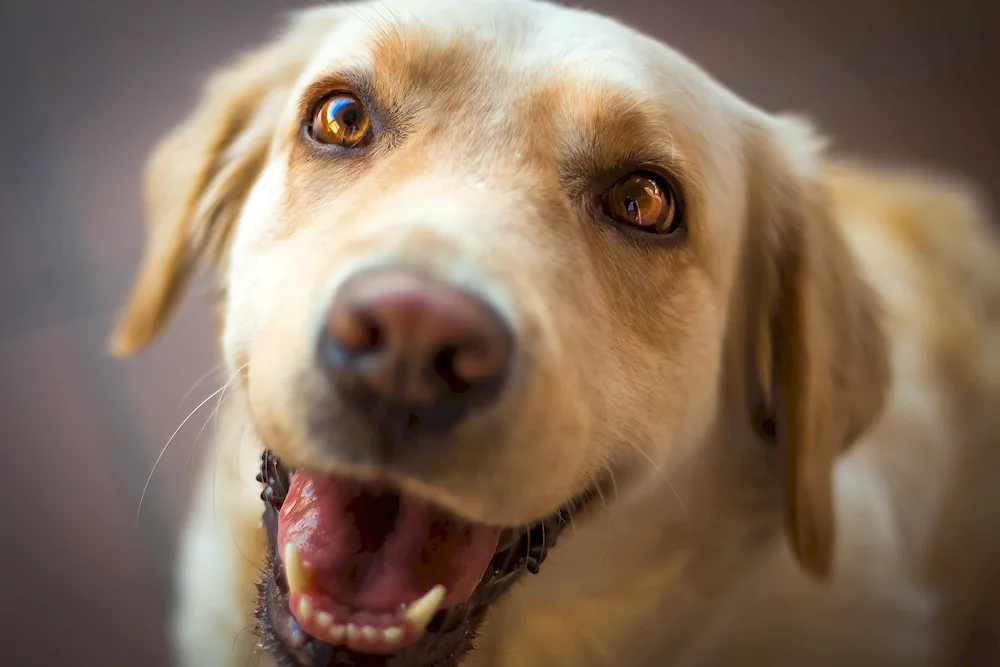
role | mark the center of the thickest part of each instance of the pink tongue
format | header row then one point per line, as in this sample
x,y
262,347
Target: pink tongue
x,y
372,548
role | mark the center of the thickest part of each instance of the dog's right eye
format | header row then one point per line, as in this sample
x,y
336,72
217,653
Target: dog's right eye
x,y
341,120
644,201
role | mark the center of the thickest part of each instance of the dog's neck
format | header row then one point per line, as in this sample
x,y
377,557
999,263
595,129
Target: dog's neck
x,y
661,558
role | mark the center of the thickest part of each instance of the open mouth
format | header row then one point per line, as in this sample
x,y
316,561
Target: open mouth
x,y
361,574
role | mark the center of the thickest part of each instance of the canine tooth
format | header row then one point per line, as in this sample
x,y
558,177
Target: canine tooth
x,y
353,634
393,636
370,633
296,573
324,619
305,608
420,612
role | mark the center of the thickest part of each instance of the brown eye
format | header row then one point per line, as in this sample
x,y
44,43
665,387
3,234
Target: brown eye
x,y
341,120
642,200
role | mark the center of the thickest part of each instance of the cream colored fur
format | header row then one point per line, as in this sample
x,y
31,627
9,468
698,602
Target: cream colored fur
x,y
858,307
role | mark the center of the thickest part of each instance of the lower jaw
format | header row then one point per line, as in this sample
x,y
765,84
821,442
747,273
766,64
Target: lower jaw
x,y
451,632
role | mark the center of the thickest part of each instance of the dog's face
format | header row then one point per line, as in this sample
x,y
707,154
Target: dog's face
x,y
504,160
485,253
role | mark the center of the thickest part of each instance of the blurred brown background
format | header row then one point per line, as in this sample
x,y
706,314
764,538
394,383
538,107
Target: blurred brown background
x,y
87,87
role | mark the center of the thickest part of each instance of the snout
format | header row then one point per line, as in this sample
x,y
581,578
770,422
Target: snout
x,y
397,344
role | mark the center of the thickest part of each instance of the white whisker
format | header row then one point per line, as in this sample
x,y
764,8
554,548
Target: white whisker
x,y
642,453
215,413
678,497
614,483
164,451
600,493
199,381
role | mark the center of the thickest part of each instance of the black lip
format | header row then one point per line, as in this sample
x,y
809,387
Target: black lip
x,y
451,633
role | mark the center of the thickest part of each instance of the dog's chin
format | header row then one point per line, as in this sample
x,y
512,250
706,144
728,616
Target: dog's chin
x,y
450,632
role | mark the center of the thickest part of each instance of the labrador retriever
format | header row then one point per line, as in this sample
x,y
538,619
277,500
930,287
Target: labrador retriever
x,y
545,349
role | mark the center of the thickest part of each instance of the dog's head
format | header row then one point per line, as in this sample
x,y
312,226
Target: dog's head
x,y
472,257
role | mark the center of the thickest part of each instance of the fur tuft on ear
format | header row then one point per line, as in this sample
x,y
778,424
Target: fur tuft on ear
x,y
816,358
201,173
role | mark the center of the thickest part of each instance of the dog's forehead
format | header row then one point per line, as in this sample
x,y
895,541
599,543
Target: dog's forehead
x,y
531,89
511,44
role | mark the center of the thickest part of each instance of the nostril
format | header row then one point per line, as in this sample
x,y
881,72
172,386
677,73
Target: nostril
x,y
446,368
373,338
480,362
469,365
355,332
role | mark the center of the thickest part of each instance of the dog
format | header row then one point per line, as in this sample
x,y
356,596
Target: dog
x,y
546,348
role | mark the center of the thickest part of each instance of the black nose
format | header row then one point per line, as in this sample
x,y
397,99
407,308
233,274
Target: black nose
x,y
400,343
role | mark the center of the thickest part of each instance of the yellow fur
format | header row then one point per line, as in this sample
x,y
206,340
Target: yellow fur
x,y
859,308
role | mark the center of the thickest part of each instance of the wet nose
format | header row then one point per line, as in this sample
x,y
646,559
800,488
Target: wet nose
x,y
398,338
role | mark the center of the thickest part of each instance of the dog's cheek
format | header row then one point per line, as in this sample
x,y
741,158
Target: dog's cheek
x,y
275,283
558,440
679,396
251,280
660,379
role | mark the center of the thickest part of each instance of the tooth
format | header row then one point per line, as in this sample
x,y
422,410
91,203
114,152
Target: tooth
x,y
393,636
370,633
305,608
353,634
324,619
337,633
296,572
420,612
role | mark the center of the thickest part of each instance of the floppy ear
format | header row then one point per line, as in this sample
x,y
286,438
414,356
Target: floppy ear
x,y
201,173
817,365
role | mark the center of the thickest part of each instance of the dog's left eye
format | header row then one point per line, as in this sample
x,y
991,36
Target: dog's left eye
x,y
642,200
341,120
